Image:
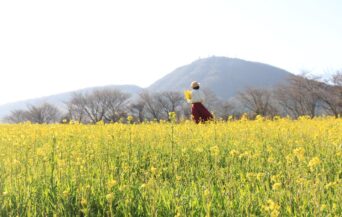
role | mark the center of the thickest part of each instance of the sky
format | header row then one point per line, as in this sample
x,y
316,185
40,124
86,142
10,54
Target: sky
x,y
49,47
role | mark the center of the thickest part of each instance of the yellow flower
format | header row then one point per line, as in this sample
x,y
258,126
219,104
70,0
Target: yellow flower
x,y
16,162
269,148
172,116
230,117
40,152
260,176
256,155
129,118
214,150
259,118
270,160
289,158
110,197
61,163
314,162
178,214
187,95
206,192
199,150
101,122
66,193
153,170
84,202
301,181
299,153
272,207
276,118
323,207
330,185
250,176
276,186
275,178
234,153
244,155
304,117
244,117
334,206
275,213
112,183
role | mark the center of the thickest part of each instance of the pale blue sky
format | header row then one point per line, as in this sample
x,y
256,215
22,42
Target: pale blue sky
x,y
48,47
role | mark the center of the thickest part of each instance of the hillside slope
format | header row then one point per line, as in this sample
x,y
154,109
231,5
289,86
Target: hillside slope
x,y
224,76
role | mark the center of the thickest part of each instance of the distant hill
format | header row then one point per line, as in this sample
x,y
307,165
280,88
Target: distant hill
x,y
224,76
59,99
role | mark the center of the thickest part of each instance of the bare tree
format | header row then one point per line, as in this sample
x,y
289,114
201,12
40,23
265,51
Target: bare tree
x,y
116,104
152,107
337,79
137,110
169,101
227,110
298,96
331,95
17,116
257,100
211,99
104,104
75,107
95,106
45,113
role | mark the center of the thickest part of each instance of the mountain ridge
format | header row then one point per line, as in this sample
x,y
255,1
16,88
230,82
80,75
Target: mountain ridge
x,y
224,76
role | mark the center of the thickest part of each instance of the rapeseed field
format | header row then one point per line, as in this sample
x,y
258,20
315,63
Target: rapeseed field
x,y
279,167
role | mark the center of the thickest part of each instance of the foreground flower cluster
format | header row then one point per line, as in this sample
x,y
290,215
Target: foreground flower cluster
x,y
238,168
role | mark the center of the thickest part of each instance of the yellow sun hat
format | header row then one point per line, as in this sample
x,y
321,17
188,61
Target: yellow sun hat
x,y
195,84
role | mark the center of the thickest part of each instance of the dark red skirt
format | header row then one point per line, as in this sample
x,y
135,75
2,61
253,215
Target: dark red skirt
x,y
200,113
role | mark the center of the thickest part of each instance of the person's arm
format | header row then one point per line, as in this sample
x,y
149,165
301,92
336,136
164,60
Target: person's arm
x,y
194,97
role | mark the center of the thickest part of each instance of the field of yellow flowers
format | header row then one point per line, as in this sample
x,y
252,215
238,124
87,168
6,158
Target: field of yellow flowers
x,y
278,167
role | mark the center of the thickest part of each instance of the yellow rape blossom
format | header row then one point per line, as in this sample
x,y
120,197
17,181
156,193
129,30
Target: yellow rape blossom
x,y
314,162
187,94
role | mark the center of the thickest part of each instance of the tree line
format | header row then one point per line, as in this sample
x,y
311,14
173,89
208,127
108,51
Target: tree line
x,y
299,96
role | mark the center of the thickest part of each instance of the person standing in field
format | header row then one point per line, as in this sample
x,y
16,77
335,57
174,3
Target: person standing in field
x,y
199,112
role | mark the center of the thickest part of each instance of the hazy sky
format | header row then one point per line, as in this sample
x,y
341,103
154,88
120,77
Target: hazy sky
x,y
49,47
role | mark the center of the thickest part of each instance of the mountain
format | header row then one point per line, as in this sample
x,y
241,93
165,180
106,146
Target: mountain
x,y
59,99
224,76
